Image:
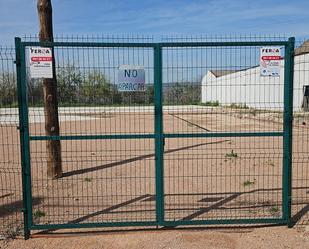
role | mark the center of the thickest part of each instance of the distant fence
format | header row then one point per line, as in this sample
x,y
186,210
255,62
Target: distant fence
x,y
10,168
300,166
105,94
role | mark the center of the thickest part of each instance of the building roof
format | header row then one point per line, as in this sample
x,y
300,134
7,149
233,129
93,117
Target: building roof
x,y
302,49
219,73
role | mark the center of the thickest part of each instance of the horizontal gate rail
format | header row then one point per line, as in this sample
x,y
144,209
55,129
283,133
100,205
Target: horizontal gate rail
x,y
164,223
224,134
225,222
160,44
90,44
222,44
86,137
166,135
90,225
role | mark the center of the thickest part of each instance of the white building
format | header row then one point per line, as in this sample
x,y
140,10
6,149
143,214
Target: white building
x,y
247,87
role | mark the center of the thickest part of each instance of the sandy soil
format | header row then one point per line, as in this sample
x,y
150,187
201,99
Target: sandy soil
x,y
204,178
219,238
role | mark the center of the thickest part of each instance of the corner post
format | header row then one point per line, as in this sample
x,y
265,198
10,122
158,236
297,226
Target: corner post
x,y
287,130
159,147
24,135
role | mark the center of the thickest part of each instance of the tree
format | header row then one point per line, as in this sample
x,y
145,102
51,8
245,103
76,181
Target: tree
x,y
182,93
54,161
69,80
8,89
96,88
35,93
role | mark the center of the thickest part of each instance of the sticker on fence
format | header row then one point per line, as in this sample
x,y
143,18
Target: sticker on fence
x,y
131,78
270,58
41,62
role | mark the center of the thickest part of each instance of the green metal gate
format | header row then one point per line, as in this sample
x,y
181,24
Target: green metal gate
x,y
159,157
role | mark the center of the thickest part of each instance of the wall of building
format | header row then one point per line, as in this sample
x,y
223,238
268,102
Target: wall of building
x,y
247,87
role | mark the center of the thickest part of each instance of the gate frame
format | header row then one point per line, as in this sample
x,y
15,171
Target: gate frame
x,y
158,135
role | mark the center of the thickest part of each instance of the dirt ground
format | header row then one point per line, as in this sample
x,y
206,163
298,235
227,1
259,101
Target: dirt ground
x,y
204,179
218,238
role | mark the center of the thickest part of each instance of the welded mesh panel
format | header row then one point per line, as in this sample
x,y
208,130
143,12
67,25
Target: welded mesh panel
x,y
220,90
223,178
89,102
10,169
300,166
103,180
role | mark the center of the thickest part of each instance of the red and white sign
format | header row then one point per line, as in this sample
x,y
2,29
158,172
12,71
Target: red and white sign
x,y
270,58
41,62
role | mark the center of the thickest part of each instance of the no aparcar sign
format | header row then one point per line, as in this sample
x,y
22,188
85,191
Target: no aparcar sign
x,y
131,78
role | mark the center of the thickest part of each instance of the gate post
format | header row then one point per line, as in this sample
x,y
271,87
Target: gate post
x,y
24,135
159,147
287,130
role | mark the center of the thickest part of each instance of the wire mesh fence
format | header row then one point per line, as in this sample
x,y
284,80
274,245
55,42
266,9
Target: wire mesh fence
x,y
113,180
104,180
10,169
300,173
226,177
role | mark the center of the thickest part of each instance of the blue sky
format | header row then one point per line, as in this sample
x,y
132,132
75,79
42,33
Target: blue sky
x,y
158,17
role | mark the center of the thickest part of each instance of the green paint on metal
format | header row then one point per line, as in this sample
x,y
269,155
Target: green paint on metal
x,y
21,132
159,149
91,44
223,134
224,222
97,224
154,45
24,134
158,134
93,137
222,44
287,130
164,223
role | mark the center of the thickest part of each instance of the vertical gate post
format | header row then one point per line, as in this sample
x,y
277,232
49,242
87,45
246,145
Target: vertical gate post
x,y
159,150
287,130
24,135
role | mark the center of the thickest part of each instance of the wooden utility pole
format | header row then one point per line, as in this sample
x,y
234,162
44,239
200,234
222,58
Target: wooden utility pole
x,y
54,162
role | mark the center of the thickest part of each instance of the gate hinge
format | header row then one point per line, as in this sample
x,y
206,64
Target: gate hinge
x,y
17,62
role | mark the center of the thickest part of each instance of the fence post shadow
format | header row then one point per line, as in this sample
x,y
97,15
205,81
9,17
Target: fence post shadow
x,y
301,213
133,159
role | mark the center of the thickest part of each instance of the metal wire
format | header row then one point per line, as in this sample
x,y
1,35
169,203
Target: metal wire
x,y
113,180
10,170
300,174
104,180
214,89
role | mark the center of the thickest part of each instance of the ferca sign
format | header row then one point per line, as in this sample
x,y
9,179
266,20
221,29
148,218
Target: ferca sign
x,y
131,78
270,58
41,62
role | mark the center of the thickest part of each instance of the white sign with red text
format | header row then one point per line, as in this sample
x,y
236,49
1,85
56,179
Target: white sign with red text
x,y
41,62
270,58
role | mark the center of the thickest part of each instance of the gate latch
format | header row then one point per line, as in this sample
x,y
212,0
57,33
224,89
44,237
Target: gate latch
x,y
20,128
